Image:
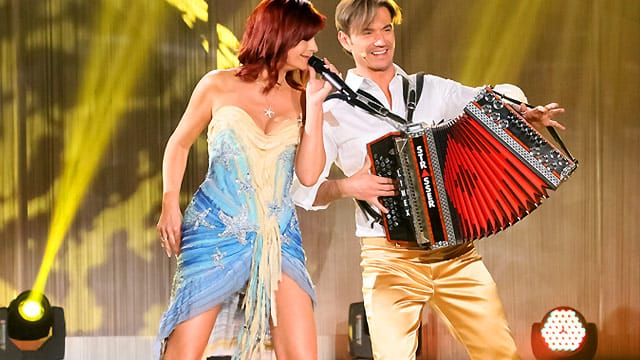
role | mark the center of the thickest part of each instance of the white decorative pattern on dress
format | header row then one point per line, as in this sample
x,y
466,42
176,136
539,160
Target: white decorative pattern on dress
x,y
274,209
225,154
237,226
195,221
245,187
218,257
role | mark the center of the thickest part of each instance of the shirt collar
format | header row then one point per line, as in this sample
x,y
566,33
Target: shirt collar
x,y
355,81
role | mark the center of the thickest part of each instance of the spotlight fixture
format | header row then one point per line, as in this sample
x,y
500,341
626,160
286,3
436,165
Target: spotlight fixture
x,y
359,341
564,334
32,329
359,338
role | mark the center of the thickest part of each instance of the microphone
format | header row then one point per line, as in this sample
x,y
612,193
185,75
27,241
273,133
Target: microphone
x,y
333,78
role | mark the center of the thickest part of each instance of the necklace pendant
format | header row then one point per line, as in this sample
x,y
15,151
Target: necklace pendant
x,y
268,112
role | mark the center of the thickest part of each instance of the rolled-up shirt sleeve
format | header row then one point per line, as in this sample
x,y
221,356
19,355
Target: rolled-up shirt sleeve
x,y
456,96
511,91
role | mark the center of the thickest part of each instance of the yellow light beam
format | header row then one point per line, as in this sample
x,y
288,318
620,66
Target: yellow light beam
x,y
192,10
228,47
114,64
500,44
228,44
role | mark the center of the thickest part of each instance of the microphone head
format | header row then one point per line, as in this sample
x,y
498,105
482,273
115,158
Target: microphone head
x,y
317,64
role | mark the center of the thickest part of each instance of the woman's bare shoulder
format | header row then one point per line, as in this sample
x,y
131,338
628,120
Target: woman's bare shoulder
x,y
218,80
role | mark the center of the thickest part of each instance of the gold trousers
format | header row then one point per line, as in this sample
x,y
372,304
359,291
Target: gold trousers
x,y
398,282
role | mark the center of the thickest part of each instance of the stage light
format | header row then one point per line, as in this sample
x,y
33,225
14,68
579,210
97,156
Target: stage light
x,y
32,329
29,317
359,338
359,341
31,310
564,334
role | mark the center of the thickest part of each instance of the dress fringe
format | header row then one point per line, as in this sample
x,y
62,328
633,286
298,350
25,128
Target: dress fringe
x,y
259,302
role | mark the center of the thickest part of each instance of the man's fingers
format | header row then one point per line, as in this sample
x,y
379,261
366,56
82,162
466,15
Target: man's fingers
x,y
523,108
387,189
557,111
380,207
556,124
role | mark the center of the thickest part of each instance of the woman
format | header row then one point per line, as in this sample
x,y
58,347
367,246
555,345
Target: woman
x,y
240,232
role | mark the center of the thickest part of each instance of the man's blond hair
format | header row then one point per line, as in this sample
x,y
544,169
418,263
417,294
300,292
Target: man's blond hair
x,y
357,14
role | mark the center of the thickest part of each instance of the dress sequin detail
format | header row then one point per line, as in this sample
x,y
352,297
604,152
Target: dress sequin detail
x,y
237,226
218,258
198,219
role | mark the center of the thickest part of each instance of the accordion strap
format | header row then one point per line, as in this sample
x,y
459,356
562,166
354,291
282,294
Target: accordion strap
x,y
411,91
364,100
373,106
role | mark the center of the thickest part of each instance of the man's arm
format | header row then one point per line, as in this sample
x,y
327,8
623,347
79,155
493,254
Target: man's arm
x,y
328,192
360,186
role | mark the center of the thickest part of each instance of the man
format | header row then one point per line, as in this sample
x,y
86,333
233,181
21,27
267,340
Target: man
x,y
399,280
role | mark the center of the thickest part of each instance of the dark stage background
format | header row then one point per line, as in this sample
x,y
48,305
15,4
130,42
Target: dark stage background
x,y
91,90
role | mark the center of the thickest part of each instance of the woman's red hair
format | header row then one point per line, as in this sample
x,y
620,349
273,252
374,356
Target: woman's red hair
x,y
272,29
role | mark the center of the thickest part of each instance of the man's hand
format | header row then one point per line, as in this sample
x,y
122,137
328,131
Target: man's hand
x,y
541,116
364,186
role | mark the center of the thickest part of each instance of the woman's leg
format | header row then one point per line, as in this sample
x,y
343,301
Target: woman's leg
x,y
189,339
295,336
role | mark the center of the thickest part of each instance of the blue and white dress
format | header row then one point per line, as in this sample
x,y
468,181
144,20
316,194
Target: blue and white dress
x,y
240,230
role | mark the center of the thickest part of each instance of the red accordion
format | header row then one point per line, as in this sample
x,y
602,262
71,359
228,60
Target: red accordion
x,y
466,178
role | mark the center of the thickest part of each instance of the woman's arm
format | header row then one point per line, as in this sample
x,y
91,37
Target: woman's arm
x,y
194,120
310,158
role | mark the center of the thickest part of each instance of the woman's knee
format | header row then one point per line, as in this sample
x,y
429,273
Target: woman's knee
x,y
189,339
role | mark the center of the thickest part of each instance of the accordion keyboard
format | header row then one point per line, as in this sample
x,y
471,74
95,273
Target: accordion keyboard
x,y
398,220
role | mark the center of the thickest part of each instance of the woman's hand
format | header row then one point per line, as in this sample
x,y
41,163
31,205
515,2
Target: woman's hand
x,y
169,228
317,87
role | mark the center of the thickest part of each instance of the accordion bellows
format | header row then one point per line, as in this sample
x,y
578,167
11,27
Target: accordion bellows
x,y
466,178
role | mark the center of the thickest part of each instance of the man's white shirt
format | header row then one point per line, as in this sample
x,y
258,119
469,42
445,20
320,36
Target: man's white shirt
x,y
348,130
